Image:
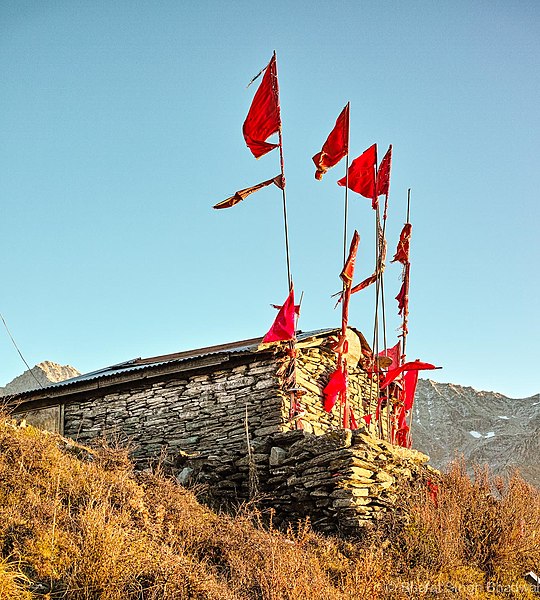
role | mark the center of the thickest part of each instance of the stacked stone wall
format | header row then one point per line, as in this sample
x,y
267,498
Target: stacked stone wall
x,y
201,413
314,367
341,480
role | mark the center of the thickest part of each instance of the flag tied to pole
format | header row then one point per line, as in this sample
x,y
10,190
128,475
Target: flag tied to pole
x,y
347,273
383,174
403,294
393,374
402,250
284,326
263,118
394,354
361,175
336,385
335,147
242,194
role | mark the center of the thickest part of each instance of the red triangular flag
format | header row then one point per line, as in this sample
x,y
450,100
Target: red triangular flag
x,y
402,250
409,366
383,174
241,194
284,326
367,419
348,270
263,118
335,147
336,385
362,175
394,354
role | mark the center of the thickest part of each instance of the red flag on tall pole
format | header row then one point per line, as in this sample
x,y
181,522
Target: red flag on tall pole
x,y
263,118
347,273
284,326
361,174
335,147
241,194
402,250
383,174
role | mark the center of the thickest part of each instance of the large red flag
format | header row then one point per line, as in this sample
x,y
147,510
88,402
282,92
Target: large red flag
x,y
402,250
263,118
335,147
348,270
383,174
362,175
241,194
409,366
284,325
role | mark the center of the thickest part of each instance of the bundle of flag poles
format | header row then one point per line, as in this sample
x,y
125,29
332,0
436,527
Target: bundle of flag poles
x,y
394,379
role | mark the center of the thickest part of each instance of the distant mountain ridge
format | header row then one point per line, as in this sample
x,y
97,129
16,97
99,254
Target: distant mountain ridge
x,y
43,374
450,420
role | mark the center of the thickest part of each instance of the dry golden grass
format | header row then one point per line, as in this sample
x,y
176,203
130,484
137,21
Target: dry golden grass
x,y
87,528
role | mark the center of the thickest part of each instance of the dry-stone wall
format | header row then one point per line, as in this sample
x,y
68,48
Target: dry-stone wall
x,y
204,412
341,480
314,367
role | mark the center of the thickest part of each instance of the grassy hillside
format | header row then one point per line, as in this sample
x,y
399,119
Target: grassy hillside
x,y
80,525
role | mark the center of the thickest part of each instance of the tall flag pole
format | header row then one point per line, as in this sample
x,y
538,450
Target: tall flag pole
x,y
275,88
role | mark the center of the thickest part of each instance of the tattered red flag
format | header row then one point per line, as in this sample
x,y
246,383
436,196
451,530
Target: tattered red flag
x,y
242,194
362,175
394,354
364,284
402,250
263,118
415,365
336,385
284,326
403,294
335,147
347,273
410,380
383,174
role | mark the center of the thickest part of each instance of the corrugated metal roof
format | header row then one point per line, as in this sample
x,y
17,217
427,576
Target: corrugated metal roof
x,y
249,346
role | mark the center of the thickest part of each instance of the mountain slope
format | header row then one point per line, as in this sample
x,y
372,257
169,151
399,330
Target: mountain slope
x,y
485,427
41,375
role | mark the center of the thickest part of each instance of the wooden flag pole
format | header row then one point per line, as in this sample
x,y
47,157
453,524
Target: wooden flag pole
x,y
346,212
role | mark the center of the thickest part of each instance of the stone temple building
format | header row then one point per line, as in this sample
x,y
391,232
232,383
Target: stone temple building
x,y
221,416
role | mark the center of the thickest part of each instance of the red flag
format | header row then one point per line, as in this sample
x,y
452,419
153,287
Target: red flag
x,y
403,294
362,174
283,328
394,354
402,250
409,366
364,284
335,386
410,380
383,174
335,147
263,118
367,419
241,194
348,270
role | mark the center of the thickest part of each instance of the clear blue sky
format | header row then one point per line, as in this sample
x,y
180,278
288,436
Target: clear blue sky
x,y
121,126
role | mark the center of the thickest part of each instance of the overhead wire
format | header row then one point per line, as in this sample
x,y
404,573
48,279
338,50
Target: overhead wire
x,y
18,350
